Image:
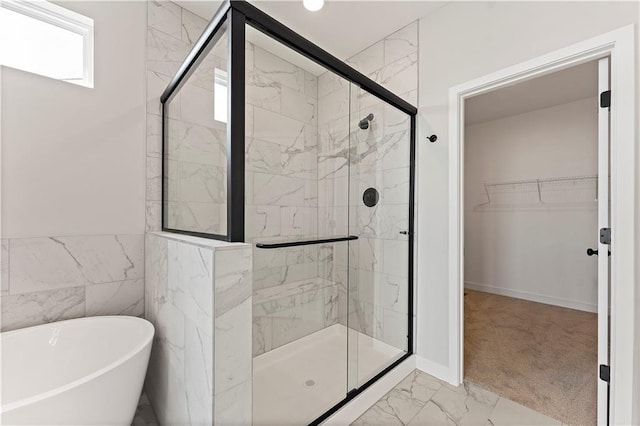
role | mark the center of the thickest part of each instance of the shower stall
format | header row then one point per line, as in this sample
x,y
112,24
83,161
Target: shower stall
x,y
270,140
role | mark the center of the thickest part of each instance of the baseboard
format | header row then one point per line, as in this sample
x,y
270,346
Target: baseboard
x,y
435,369
533,297
361,403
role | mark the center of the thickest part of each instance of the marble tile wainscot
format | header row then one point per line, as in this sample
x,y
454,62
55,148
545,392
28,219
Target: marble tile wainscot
x,y
198,296
56,278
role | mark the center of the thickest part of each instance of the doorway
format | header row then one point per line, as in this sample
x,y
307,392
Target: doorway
x,y
536,188
616,392
531,212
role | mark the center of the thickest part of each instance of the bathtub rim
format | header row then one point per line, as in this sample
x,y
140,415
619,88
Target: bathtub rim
x,y
4,408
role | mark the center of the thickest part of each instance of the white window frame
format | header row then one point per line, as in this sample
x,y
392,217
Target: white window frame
x,y
221,79
64,18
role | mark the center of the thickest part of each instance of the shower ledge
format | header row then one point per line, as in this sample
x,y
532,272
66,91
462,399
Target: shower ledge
x,y
290,289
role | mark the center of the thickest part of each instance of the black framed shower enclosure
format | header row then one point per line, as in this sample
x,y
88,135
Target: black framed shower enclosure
x,y
232,18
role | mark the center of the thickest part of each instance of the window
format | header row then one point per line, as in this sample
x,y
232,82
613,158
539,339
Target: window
x,y
46,39
220,96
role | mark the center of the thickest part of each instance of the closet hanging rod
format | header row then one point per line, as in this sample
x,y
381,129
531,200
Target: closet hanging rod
x,y
305,242
543,180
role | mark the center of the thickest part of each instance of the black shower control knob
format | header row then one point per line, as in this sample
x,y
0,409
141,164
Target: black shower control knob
x,y
370,197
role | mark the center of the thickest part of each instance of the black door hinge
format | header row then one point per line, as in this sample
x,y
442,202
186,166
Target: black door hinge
x,y
605,235
604,373
605,99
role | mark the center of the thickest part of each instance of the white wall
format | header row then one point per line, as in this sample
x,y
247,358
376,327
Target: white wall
x,y
73,157
514,246
73,180
459,42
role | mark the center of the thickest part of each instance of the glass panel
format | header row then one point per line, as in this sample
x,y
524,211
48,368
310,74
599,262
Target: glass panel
x,y
299,368
196,139
297,152
379,216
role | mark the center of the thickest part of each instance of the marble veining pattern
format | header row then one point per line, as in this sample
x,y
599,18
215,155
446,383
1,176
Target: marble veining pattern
x,y
282,199
403,42
421,399
233,335
40,307
279,70
358,159
233,277
165,16
58,278
287,312
290,290
58,262
119,298
202,350
192,26
164,52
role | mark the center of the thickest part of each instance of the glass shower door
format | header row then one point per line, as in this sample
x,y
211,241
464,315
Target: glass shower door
x,y
296,208
379,205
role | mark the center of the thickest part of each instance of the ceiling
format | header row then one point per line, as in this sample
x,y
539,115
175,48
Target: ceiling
x,y
557,88
341,27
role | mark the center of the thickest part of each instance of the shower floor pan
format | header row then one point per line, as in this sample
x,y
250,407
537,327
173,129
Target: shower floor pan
x,y
297,382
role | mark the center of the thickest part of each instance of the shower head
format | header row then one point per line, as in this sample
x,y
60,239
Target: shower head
x,y
364,123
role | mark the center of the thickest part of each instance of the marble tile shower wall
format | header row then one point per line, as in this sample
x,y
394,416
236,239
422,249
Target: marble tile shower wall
x,y
56,278
281,166
352,160
291,301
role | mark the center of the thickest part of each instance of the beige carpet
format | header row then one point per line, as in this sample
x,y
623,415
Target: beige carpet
x,y
542,356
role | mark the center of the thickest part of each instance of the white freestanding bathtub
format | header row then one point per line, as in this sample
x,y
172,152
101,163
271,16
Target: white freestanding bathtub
x,y
86,371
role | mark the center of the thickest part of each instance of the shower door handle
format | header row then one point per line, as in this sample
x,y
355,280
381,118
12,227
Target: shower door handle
x,y
404,232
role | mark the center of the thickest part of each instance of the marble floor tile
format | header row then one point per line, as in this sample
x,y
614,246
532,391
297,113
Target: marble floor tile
x,y
432,415
507,413
403,402
423,400
419,386
466,404
380,414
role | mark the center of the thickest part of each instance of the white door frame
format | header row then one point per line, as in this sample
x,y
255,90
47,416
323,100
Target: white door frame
x,y
620,46
603,222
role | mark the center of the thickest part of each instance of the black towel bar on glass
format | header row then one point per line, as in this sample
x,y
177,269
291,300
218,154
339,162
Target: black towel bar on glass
x,y
305,242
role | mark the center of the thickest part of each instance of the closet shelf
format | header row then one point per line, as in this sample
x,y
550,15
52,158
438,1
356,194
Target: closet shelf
x,y
573,192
